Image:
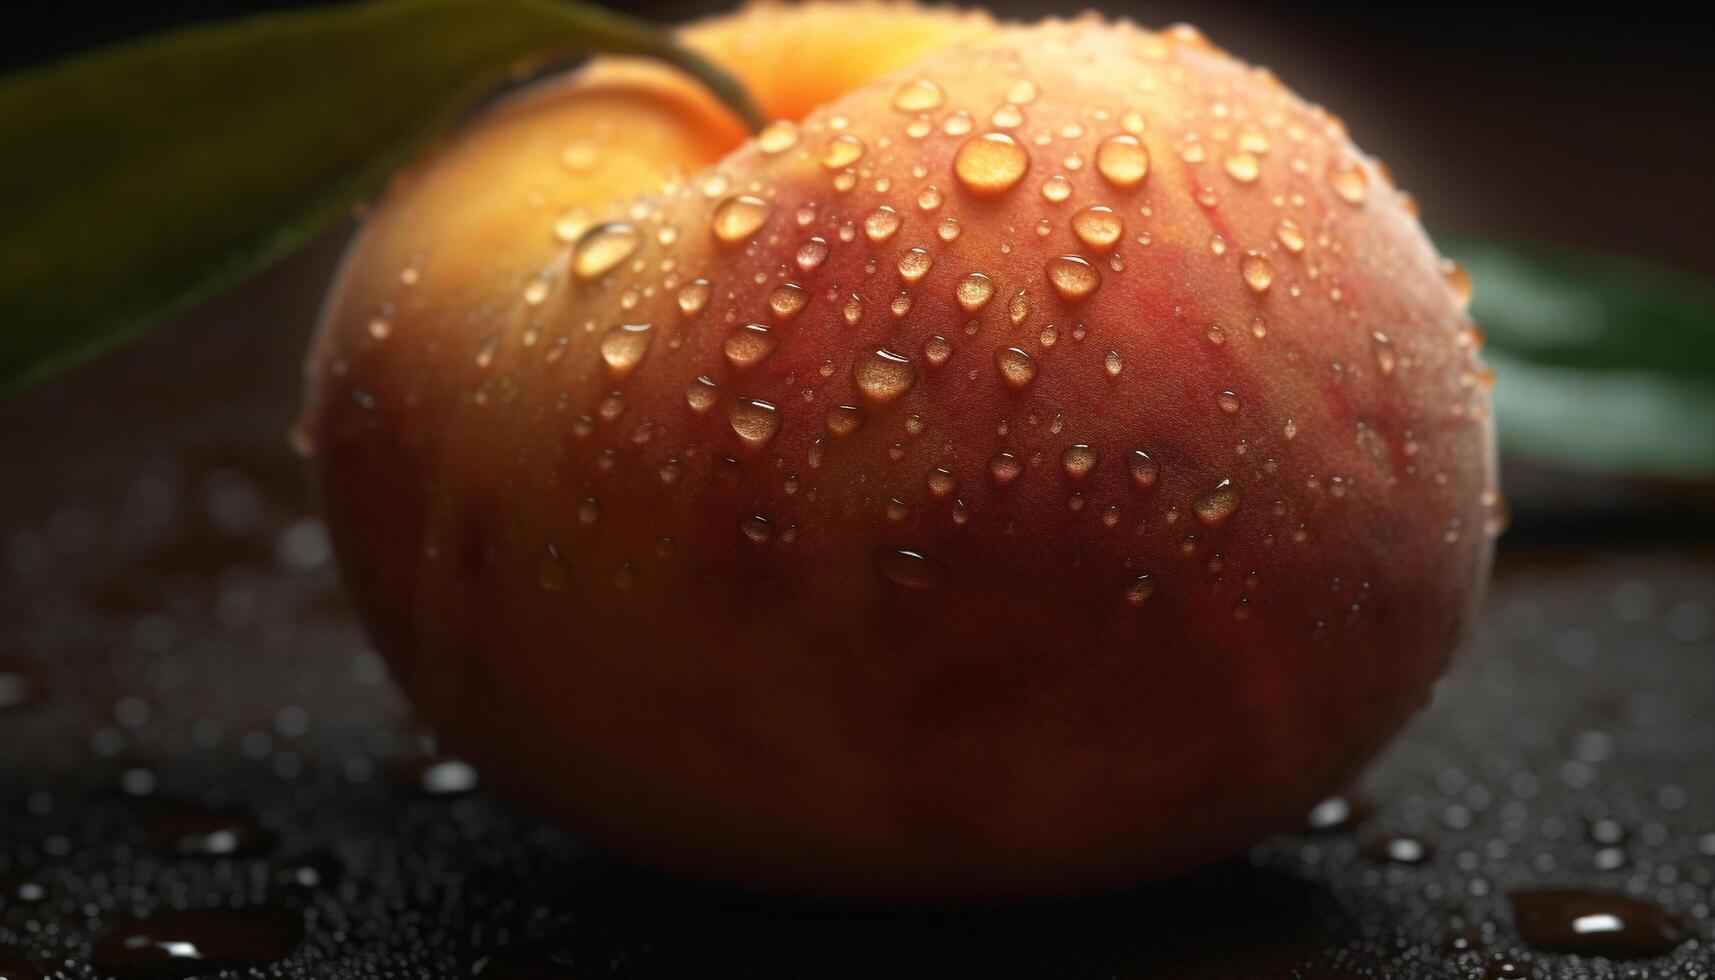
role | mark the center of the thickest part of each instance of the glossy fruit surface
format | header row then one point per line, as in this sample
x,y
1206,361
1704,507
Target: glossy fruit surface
x,y
1048,458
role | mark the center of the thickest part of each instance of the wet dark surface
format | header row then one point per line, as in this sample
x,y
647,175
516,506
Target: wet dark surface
x,y
203,767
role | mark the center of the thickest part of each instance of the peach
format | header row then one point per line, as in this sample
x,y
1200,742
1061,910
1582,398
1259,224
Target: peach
x,y
1047,458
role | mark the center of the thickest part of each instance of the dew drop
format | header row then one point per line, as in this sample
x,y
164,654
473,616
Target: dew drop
x,y
1113,363
1459,279
1217,505
1386,359
842,151
1098,226
1073,277
990,164
749,344
552,572
693,296
787,300
756,529
843,420
1078,461
1229,402
1138,592
738,217
812,253
1290,235
1144,470
881,224
623,347
1350,182
936,350
1122,160
917,95
911,570
1398,850
1056,189
700,395
1591,923
754,421
1257,270
602,248
1005,468
778,136
915,264
882,375
941,483
974,291
1016,367
1243,166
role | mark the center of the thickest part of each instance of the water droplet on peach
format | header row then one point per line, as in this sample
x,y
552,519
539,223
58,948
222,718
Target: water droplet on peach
x,y
990,164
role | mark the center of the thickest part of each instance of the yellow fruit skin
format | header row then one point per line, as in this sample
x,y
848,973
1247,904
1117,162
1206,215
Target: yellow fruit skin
x,y
707,651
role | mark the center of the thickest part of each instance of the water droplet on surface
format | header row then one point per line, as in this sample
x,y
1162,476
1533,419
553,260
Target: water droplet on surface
x,y
1386,359
1122,160
1073,277
917,95
1217,505
1257,270
1005,468
1144,470
882,375
778,136
693,296
936,350
842,151
1290,235
1350,182
1016,367
915,264
911,570
1098,226
1592,923
602,248
187,944
442,778
1113,363
881,224
990,164
754,421
1078,460
749,345
843,420
756,529
974,291
787,300
811,254
1398,850
700,395
1459,279
1138,592
1337,814
941,483
738,217
1228,402
623,347
1056,189
195,832
1243,166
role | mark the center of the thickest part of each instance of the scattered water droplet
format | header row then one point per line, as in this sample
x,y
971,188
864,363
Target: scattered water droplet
x,y
1337,814
1217,505
1398,850
1290,235
623,347
186,944
1139,590
1228,402
1459,279
787,300
1243,166
749,345
917,95
1591,923
882,375
602,248
1350,182
1386,359
693,296
812,253
1016,367
974,291
881,224
1078,461
738,217
1113,363
911,570
778,136
1005,468
1056,189
843,420
1073,277
1098,226
756,422
842,151
700,395
1122,160
990,164
915,264
1257,270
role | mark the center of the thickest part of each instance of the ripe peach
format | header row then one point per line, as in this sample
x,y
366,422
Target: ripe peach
x,y
1049,457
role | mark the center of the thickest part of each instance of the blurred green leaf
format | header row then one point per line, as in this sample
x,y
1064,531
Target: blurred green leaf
x,y
1602,364
142,178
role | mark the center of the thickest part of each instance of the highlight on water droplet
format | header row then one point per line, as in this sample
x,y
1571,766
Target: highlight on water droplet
x,y
754,421
552,571
881,224
912,570
1016,367
842,151
1213,508
602,248
1078,460
843,420
974,291
693,296
787,300
1243,166
700,395
917,95
1073,277
1122,160
1349,181
990,163
1098,226
738,217
778,136
1139,590
882,375
1290,235
915,264
1144,470
623,347
1257,270
1459,279
749,345
1005,468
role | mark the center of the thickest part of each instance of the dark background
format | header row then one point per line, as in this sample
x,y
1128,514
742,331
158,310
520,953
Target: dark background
x,y
1586,124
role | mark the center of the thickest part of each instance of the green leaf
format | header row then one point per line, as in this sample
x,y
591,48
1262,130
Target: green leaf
x,y
1602,364
142,178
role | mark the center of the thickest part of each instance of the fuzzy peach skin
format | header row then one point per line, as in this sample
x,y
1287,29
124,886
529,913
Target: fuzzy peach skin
x,y
1052,457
